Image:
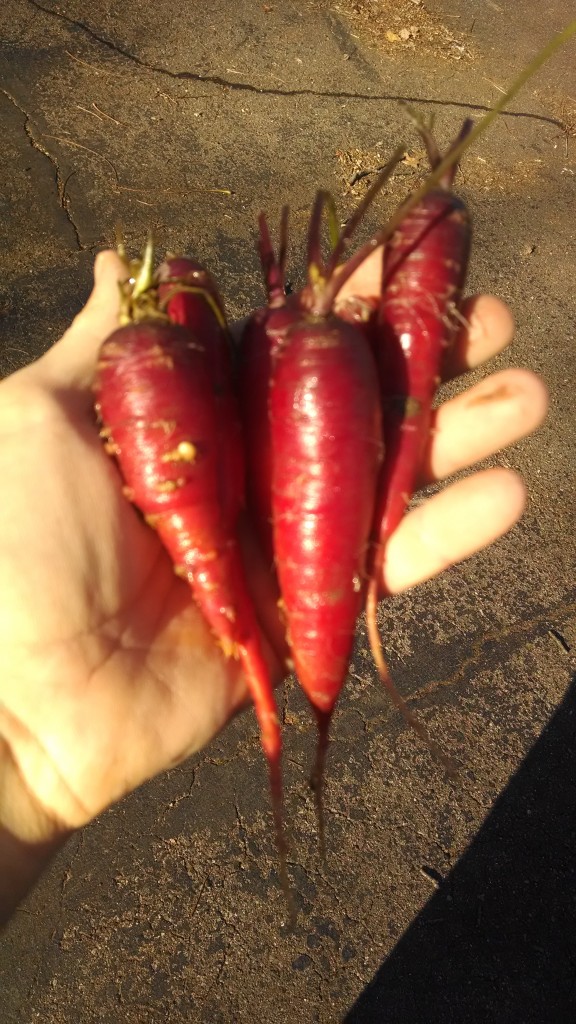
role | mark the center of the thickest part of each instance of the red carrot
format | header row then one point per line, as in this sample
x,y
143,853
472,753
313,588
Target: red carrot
x,y
189,296
428,240
425,262
312,425
425,267
325,429
156,398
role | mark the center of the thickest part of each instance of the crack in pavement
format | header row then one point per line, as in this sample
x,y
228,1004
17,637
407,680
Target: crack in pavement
x,y
196,76
242,831
63,198
518,629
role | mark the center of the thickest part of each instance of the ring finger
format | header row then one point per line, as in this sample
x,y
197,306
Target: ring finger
x,y
482,420
451,526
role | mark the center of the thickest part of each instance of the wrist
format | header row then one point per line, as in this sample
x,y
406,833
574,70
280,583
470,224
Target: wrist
x,y
29,837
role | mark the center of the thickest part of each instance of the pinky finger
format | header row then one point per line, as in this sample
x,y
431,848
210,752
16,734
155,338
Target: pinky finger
x,y
451,526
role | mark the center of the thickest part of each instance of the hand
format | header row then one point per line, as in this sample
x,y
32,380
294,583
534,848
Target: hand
x,y
108,674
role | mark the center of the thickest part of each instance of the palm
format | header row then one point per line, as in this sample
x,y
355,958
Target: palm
x,y
101,637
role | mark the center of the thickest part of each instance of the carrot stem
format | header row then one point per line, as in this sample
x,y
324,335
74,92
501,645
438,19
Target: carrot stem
x,y
316,270
145,275
273,267
354,220
451,158
270,265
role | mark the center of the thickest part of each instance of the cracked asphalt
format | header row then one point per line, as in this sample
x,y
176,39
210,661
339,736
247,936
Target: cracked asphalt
x,y
441,901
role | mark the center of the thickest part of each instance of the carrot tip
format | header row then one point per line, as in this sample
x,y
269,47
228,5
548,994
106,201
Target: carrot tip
x,y
281,841
316,781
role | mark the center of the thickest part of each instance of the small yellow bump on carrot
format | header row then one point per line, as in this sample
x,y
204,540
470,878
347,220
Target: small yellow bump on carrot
x,y
168,486
186,451
413,406
160,359
210,556
228,647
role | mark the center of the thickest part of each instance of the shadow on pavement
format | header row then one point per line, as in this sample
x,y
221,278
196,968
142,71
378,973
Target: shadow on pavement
x,y
498,940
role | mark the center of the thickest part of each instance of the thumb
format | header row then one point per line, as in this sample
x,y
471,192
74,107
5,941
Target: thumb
x,y
71,362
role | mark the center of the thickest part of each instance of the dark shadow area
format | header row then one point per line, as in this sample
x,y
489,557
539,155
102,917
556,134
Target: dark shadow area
x,y
498,941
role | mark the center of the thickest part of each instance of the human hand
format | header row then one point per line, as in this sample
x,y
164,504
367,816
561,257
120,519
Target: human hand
x,y
108,674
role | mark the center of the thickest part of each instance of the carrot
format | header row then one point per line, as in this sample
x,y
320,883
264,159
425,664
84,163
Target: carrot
x,y
312,426
425,265
431,224
189,296
156,398
325,434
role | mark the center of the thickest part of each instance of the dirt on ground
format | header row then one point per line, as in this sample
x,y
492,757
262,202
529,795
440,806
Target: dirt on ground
x,y
409,25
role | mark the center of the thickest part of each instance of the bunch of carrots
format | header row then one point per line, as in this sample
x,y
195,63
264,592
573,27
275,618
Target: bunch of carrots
x,y
315,424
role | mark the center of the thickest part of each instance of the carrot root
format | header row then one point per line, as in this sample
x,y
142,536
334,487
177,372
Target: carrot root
x,y
448,763
323,720
271,739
